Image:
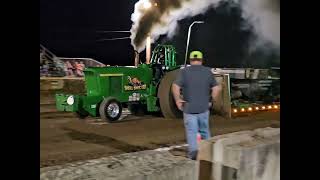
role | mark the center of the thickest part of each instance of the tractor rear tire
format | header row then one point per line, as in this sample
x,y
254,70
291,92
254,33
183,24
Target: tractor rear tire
x,y
110,109
167,104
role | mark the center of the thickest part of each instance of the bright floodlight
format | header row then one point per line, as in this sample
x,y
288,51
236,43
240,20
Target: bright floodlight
x,y
147,5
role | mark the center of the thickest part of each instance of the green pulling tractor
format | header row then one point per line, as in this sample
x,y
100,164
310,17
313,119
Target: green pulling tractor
x,y
110,89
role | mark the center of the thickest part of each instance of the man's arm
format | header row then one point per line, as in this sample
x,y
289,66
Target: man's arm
x,y
176,95
176,87
176,91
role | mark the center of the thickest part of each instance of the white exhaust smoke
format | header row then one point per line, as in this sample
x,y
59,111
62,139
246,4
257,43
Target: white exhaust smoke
x,y
263,16
160,17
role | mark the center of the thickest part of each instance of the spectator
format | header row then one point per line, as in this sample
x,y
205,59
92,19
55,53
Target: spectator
x,y
197,84
74,65
41,57
83,66
45,68
79,69
41,71
69,67
65,69
75,69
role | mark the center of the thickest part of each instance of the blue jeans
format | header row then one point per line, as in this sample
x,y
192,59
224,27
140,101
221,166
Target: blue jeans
x,y
193,124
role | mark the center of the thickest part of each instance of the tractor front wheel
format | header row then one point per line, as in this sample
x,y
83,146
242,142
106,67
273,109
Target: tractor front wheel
x,y
110,109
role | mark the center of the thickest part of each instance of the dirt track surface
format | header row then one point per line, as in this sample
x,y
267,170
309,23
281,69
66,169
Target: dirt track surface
x,y
64,138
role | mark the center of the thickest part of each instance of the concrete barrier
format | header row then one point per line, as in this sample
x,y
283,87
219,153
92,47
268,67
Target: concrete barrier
x,y
144,165
246,155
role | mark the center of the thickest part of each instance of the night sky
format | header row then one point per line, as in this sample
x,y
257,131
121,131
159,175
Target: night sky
x,y
69,29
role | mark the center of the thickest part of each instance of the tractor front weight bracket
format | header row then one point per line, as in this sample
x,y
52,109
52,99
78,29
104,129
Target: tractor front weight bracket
x,y
152,99
152,104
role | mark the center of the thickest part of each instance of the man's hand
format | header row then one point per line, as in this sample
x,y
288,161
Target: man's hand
x,y
180,103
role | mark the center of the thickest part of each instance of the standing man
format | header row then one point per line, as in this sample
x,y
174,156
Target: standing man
x,y
196,82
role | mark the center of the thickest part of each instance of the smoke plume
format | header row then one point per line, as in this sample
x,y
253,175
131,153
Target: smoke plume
x,y
162,16
263,17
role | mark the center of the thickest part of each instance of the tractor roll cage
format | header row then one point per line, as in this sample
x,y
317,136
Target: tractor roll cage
x,y
169,55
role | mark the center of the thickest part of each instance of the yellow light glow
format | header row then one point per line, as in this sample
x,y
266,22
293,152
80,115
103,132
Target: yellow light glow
x,y
155,4
250,108
242,109
263,107
269,107
275,106
147,5
257,108
235,110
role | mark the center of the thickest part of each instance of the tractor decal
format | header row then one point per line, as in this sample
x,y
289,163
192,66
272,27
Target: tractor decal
x,y
134,84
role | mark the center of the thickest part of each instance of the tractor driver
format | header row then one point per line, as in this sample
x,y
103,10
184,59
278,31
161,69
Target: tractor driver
x,y
196,81
158,65
161,59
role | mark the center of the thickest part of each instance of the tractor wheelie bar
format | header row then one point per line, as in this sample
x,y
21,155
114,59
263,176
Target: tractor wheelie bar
x,y
110,89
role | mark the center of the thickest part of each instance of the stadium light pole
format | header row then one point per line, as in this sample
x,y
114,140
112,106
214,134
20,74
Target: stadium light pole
x,y
187,47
